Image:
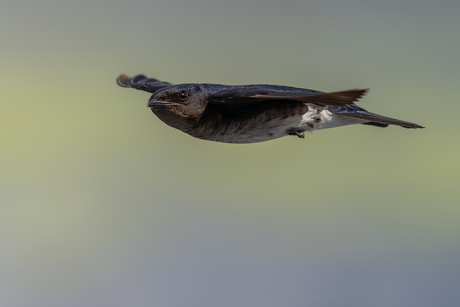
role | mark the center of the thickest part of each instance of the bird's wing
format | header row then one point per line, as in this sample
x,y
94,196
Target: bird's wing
x,y
238,96
141,82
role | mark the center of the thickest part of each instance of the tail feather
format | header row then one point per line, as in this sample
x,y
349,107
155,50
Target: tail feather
x,y
375,124
378,120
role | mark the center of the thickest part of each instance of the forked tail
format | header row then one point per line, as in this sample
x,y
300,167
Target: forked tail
x,y
378,120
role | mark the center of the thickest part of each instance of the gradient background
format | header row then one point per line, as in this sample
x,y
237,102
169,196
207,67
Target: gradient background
x,y
104,205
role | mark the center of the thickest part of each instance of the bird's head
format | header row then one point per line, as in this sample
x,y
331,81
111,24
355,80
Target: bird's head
x,y
187,101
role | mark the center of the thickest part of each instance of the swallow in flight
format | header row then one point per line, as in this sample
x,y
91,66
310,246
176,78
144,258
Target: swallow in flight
x,y
253,113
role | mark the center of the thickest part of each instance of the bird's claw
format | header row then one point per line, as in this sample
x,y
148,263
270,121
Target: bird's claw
x,y
300,134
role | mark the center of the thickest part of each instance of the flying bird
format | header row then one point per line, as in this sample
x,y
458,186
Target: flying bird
x,y
253,113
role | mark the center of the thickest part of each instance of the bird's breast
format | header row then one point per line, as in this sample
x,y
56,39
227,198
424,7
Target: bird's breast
x,y
250,124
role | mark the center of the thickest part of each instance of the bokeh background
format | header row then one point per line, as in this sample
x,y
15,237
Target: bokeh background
x,y
104,205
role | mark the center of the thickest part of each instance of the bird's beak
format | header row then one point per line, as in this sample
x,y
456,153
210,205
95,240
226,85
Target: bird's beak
x,y
153,103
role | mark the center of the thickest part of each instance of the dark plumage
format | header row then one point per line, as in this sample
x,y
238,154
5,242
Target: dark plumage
x,y
253,113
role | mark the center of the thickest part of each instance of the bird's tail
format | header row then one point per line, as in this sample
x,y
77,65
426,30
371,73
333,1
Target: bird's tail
x,y
378,120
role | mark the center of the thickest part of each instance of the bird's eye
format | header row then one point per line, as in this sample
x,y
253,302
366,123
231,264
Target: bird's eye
x,y
183,95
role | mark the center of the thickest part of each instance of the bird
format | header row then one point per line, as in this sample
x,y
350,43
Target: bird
x,y
243,114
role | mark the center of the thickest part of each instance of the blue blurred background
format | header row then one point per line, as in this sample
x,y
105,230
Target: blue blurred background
x,y
104,205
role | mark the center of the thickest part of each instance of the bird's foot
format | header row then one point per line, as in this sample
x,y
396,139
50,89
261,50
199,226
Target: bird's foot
x,y
297,132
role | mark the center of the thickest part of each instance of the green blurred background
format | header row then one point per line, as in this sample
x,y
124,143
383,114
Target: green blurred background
x,y
104,205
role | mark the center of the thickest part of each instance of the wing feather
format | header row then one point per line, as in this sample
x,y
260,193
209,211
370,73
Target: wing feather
x,y
141,82
255,95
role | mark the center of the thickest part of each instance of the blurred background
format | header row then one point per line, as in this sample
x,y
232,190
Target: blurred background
x,y
104,205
